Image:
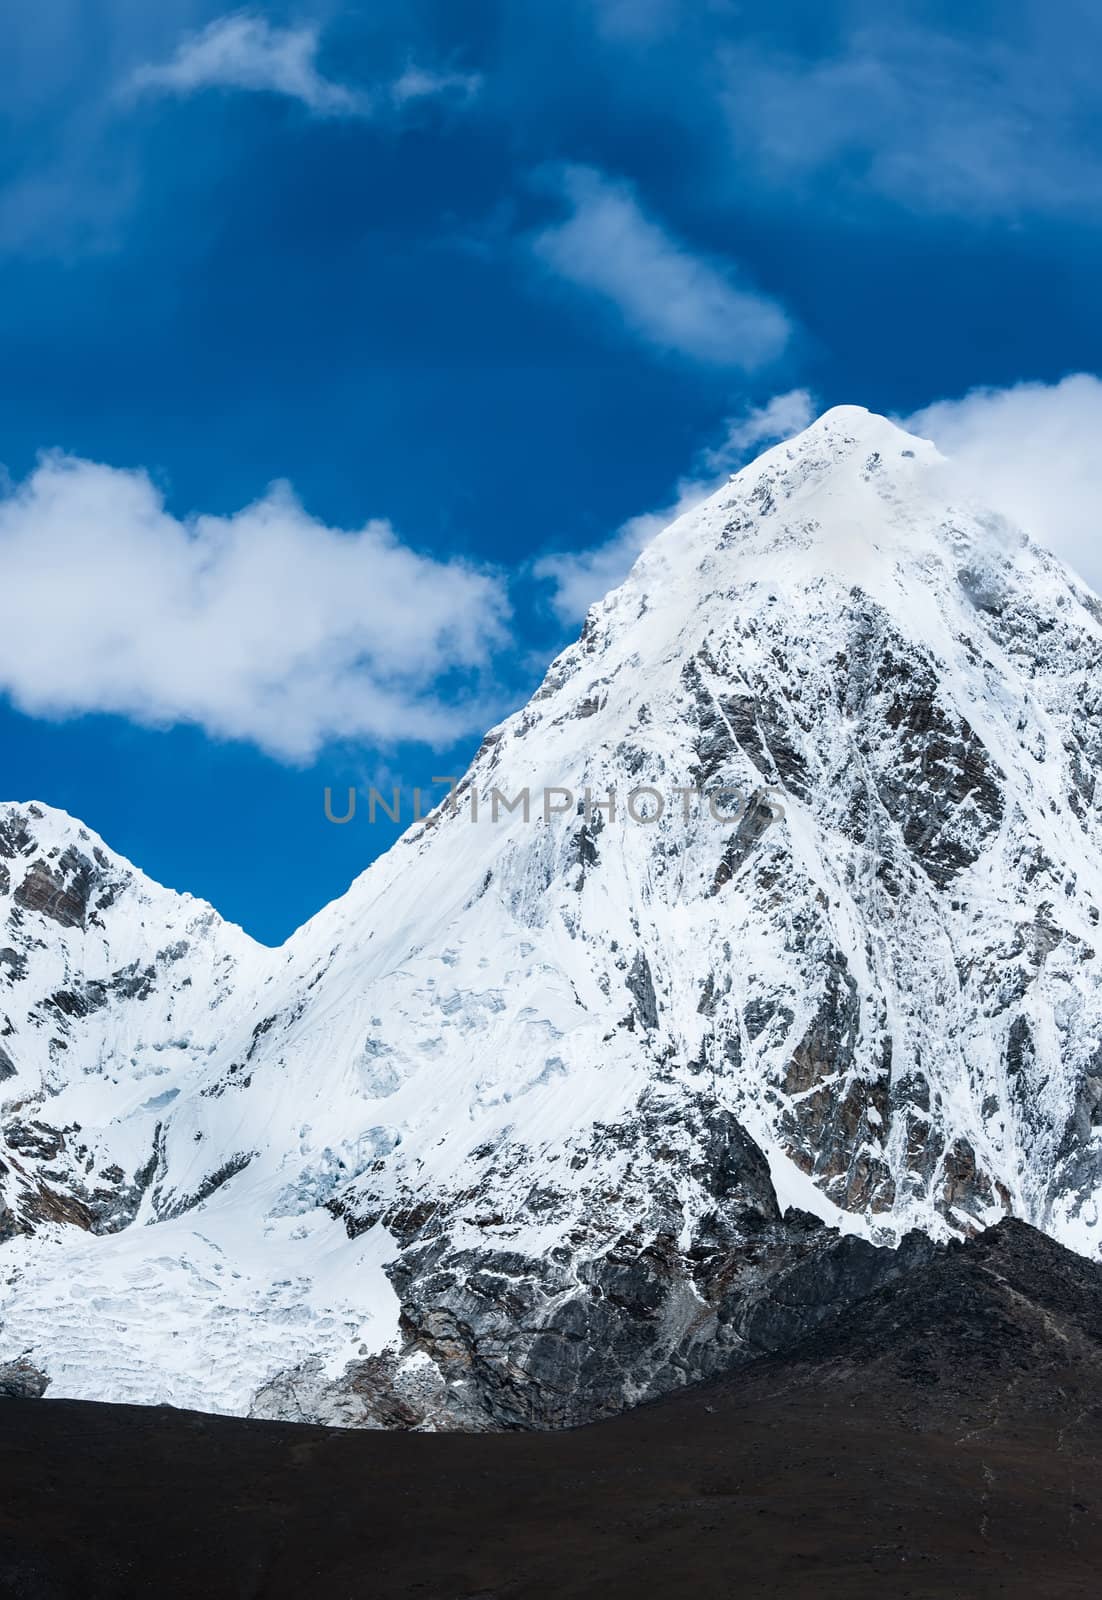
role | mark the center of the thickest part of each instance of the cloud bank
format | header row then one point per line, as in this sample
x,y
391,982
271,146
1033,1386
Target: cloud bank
x,y
1030,452
266,625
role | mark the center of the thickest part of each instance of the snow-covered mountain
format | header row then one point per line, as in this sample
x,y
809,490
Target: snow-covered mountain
x,y
547,1114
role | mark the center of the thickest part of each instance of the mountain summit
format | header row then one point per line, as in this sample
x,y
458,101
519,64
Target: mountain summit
x,y
792,957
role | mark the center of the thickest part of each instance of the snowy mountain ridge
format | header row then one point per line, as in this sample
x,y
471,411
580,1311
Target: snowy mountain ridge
x,y
507,1134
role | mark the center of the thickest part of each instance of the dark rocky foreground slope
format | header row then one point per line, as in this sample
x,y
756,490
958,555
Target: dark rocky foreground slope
x,y
940,1437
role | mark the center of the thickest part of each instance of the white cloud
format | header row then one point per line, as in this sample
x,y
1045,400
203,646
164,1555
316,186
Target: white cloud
x,y
780,417
580,577
1030,452
423,83
266,625
244,51
661,291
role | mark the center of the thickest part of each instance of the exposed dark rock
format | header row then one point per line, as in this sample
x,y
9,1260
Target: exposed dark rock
x,y
757,818
373,1393
1019,1059
21,1380
63,894
837,1119
965,1186
79,1002
40,1202
708,997
985,593
944,791
523,1342
641,984
13,964
134,982
114,1203
16,838
209,1185
827,1048
36,1139
826,1283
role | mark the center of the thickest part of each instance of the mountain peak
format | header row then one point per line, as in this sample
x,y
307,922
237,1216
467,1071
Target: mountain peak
x,y
844,437
854,501
859,425
562,1085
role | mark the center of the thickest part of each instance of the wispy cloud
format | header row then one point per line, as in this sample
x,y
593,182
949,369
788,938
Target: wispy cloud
x,y
579,577
659,289
960,123
779,418
424,83
634,19
1031,453
71,207
244,51
266,626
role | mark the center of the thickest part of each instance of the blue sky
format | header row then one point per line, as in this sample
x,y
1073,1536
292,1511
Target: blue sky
x,y
484,289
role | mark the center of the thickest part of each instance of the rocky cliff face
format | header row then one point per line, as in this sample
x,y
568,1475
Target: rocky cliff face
x,y
553,1113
